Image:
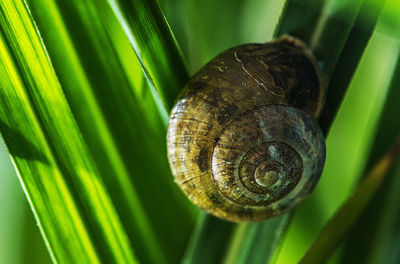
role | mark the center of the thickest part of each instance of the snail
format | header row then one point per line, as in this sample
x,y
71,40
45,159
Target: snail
x,y
243,141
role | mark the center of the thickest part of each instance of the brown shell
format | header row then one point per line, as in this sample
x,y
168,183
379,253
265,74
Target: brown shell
x,y
242,140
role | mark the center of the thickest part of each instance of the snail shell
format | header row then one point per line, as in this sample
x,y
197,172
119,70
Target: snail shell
x,y
243,143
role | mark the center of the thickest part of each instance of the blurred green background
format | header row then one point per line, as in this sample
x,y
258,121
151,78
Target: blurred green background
x,y
205,28
20,238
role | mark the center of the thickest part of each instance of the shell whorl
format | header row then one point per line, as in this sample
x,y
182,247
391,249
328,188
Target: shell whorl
x,y
242,140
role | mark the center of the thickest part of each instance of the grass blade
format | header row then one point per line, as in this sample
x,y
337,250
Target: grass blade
x,y
48,150
375,231
323,18
349,57
203,250
155,48
108,121
339,225
257,242
119,119
338,54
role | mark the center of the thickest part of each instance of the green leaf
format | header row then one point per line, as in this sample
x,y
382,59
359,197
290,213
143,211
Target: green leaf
x,y
202,249
338,54
91,135
376,230
257,242
49,152
155,48
348,59
338,226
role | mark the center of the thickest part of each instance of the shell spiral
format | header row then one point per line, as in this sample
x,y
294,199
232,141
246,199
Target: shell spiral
x,y
243,143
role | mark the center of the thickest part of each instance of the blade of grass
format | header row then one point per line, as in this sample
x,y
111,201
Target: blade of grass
x,y
375,231
49,153
384,236
257,242
322,18
34,249
337,33
201,248
119,120
155,48
74,78
349,57
338,226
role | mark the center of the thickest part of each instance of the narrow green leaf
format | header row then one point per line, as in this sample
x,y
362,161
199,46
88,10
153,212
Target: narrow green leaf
x,y
48,150
382,238
155,48
93,123
201,248
33,249
349,57
339,225
376,229
257,242
337,53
